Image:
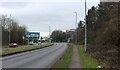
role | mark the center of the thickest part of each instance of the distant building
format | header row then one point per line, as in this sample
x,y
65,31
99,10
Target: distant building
x,y
70,34
32,37
45,38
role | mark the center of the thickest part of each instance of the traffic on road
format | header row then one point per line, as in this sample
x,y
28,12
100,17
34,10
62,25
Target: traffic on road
x,y
41,58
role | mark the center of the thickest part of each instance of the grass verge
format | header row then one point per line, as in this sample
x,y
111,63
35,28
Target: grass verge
x,y
11,51
65,60
87,61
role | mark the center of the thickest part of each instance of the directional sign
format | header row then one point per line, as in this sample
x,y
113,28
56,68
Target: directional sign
x,y
32,34
23,37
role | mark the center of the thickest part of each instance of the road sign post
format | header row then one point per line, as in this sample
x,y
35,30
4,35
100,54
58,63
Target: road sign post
x,y
23,39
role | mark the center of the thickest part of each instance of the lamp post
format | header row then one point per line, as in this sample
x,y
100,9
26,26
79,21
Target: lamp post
x,y
49,33
85,28
76,27
9,28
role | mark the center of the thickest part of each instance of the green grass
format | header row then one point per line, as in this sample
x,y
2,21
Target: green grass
x,y
87,61
11,51
65,60
5,46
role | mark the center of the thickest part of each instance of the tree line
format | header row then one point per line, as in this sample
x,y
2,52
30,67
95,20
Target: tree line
x,y
58,36
11,30
102,24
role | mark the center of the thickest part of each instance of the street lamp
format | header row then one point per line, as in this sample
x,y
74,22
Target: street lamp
x,y
76,26
9,28
49,33
85,28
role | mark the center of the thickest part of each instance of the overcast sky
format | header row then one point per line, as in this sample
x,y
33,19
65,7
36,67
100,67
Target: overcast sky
x,y
38,16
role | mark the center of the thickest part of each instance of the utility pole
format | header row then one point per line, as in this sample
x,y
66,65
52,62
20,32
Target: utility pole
x,y
23,39
76,27
67,35
85,27
49,33
9,28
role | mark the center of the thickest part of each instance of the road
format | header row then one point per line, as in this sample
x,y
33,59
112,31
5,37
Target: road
x,y
41,58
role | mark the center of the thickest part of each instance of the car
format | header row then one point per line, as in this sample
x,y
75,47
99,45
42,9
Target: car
x,y
31,43
39,43
13,45
35,44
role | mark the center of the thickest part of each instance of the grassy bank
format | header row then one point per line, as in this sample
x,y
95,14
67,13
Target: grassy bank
x,y
11,51
87,61
65,60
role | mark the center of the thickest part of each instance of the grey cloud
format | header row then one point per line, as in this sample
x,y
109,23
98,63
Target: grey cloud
x,y
39,16
13,5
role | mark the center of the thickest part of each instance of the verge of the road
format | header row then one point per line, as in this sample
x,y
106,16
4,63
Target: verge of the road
x,y
22,51
41,58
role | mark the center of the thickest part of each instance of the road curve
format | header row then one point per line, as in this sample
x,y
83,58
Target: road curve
x,y
41,58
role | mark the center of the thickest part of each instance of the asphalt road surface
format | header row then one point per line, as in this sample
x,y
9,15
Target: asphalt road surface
x,y
41,58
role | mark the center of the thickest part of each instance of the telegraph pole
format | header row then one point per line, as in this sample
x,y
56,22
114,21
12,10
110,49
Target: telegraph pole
x,y
9,28
85,27
49,33
76,26
23,39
